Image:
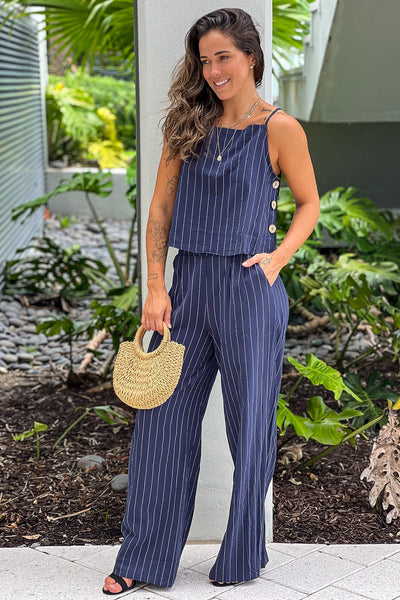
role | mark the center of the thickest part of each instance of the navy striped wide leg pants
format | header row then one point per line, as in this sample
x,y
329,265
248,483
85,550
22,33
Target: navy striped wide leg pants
x,y
229,318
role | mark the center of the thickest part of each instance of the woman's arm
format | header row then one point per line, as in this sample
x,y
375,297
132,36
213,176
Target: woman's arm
x,y
157,306
293,158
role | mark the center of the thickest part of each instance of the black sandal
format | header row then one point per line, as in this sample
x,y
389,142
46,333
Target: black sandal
x,y
125,587
219,584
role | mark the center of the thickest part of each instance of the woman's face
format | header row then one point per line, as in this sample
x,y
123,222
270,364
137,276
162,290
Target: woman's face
x,y
225,68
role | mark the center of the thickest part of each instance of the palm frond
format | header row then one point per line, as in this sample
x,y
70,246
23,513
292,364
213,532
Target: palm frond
x,y
86,29
290,23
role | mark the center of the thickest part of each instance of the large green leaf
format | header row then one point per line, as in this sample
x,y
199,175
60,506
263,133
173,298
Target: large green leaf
x,y
346,216
285,418
290,23
323,424
319,373
97,183
382,273
327,428
86,29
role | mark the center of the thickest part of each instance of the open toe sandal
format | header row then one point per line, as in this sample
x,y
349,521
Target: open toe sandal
x,y
124,586
222,584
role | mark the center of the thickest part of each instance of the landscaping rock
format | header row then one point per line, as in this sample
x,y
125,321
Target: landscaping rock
x,y
90,461
29,328
16,322
119,483
25,356
9,358
7,344
20,366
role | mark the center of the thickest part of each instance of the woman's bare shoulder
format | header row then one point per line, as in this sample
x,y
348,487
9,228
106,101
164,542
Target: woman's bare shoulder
x,y
283,124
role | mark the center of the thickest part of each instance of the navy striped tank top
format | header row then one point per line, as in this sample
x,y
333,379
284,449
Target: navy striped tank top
x,y
227,207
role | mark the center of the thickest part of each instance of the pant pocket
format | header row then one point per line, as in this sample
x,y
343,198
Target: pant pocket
x,y
259,267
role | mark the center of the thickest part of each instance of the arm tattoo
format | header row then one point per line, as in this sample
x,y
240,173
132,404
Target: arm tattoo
x,y
159,236
172,185
265,261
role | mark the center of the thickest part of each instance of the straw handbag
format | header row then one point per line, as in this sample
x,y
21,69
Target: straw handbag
x,y
147,379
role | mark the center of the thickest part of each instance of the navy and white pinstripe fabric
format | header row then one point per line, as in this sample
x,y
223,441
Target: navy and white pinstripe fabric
x,y
227,207
231,319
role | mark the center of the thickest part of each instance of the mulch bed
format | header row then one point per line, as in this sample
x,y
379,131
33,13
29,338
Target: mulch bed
x,y
52,502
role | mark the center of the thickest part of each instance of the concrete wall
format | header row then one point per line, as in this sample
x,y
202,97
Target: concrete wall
x,y
114,206
161,26
363,155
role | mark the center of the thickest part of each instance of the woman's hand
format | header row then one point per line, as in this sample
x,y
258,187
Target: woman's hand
x,y
157,308
270,263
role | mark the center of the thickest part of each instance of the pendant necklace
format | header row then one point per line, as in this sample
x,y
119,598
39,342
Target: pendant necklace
x,y
246,116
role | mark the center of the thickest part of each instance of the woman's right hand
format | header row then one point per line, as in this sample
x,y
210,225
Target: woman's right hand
x,y
156,309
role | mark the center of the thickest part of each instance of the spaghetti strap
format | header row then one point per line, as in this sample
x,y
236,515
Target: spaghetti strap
x,y
273,112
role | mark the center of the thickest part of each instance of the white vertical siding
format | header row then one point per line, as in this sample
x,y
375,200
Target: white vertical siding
x,y
21,133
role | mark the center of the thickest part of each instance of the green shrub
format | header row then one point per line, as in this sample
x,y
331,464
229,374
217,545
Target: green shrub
x,y
117,95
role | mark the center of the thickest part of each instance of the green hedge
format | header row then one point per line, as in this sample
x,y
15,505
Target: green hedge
x,y
116,94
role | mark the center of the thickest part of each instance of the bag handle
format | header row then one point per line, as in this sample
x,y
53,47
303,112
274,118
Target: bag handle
x,y
138,343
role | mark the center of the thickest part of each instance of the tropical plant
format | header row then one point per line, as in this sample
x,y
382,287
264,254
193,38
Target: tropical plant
x,y
116,94
96,183
332,273
290,23
373,393
85,29
66,274
79,129
51,273
350,300
323,424
345,218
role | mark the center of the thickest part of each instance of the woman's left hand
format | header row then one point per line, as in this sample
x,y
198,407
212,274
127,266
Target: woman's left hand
x,y
270,263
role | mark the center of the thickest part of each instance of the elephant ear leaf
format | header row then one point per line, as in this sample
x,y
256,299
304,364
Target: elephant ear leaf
x,y
319,373
384,468
326,423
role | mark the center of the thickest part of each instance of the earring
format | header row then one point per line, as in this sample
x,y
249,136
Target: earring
x,y
251,66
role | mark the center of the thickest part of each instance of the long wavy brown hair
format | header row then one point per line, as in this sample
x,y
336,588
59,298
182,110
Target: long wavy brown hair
x,y
194,107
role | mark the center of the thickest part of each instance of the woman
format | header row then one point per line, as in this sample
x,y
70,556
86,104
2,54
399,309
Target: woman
x,y
215,199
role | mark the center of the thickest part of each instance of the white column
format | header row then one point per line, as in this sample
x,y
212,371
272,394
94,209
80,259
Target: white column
x,y
161,26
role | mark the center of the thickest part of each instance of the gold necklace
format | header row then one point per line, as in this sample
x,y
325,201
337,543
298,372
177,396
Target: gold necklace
x,y
220,152
246,116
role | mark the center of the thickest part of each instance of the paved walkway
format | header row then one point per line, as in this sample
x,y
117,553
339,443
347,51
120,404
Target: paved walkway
x,y
295,571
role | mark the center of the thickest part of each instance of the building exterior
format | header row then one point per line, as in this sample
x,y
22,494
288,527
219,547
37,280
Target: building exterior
x,y
346,95
22,131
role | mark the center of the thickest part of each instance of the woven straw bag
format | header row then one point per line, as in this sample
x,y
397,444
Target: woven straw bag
x,y
147,379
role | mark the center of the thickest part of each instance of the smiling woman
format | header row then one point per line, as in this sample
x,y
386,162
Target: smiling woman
x,y
215,200
226,71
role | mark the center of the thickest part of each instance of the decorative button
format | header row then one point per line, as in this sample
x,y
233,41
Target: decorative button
x,y
273,204
272,228
275,185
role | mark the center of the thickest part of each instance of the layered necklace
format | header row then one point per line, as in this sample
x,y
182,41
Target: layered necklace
x,y
246,116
